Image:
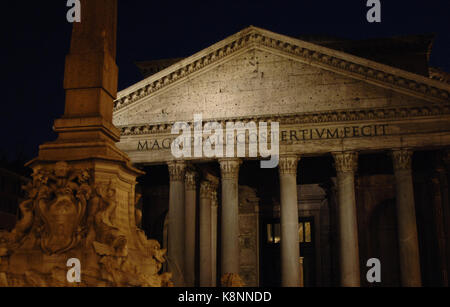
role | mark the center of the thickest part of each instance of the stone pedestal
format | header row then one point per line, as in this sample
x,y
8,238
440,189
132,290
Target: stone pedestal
x,y
346,165
290,248
406,214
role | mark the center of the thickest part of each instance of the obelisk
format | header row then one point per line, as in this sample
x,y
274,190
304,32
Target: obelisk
x,y
86,135
90,81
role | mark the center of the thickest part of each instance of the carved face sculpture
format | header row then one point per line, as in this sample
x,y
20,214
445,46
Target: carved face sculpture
x,y
154,250
83,177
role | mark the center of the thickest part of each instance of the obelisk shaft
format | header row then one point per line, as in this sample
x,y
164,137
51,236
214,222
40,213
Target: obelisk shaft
x,y
86,131
91,73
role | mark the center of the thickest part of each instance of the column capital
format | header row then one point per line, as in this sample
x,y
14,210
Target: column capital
x,y
288,164
177,170
402,159
229,168
346,161
191,180
206,188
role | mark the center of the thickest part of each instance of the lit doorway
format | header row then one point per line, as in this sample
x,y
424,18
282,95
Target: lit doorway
x,y
270,252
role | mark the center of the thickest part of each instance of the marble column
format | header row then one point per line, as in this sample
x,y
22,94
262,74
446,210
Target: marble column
x,y
290,246
346,164
230,217
205,234
176,221
214,216
406,219
190,219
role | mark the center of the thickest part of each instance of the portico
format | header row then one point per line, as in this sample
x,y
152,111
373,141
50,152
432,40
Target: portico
x,y
328,104
220,248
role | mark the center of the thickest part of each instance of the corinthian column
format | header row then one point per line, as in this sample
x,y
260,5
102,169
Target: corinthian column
x,y
176,221
406,219
290,248
346,165
189,228
205,234
230,216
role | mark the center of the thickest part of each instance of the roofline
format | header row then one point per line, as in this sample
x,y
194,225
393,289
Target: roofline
x,y
326,58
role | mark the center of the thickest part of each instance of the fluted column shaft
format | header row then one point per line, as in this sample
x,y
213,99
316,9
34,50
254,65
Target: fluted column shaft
x,y
346,165
230,216
190,227
406,219
290,248
176,229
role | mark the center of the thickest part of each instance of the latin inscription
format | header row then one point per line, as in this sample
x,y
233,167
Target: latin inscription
x,y
332,133
288,136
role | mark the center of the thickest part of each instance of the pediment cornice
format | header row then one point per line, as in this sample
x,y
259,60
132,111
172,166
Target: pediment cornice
x,y
339,62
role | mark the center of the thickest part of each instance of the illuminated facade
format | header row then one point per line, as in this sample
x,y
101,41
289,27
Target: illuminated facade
x,y
363,167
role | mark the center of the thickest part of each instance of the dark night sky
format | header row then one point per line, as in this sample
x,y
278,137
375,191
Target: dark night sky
x,y
35,38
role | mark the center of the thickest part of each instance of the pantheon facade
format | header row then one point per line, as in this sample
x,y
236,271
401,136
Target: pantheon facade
x,y
363,163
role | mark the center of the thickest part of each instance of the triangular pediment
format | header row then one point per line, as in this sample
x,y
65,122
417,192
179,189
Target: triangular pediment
x,y
259,68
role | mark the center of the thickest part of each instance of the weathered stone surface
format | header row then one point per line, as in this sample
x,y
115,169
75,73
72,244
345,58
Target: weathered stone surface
x,y
324,100
256,83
